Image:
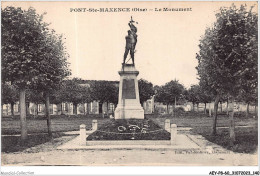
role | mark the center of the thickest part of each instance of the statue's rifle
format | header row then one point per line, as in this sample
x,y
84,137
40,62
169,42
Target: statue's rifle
x,y
129,58
132,21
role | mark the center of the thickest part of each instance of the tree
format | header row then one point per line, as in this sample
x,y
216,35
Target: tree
x,y
248,95
36,97
9,95
170,93
225,98
209,70
114,94
228,55
205,97
72,91
174,92
104,91
145,90
160,95
53,69
22,36
86,96
33,56
193,95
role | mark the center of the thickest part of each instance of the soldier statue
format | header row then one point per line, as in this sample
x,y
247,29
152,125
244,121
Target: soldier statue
x,y
131,40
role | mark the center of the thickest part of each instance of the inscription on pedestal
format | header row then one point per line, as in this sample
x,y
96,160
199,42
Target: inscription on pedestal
x,y
128,89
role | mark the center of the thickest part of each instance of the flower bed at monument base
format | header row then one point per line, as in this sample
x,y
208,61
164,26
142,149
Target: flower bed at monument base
x,y
131,129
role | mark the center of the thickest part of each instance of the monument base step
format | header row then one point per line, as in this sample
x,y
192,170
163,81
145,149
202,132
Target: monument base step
x,y
129,113
129,142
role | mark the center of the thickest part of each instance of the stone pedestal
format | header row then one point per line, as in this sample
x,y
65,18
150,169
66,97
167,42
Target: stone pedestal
x,y
173,133
129,106
94,125
82,134
167,125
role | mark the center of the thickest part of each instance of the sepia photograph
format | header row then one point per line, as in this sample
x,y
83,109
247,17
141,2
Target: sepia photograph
x,y
129,84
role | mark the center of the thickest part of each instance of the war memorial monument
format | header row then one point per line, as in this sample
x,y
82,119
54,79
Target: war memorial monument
x,y
129,122
129,106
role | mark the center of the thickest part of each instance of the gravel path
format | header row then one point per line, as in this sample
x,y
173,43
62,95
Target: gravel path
x,y
48,154
127,157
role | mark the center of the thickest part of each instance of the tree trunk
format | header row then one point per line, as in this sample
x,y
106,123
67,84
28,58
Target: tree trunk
x,y
84,111
174,108
7,109
34,110
215,114
167,110
205,108
193,107
37,112
28,108
12,109
197,107
69,109
210,109
107,108
23,115
175,103
247,110
75,108
232,123
227,106
238,107
221,106
255,108
87,108
61,109
47,110
2,106
51,109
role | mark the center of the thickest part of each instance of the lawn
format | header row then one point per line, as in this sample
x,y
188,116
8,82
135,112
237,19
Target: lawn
x,y
60,123
246,137
14,144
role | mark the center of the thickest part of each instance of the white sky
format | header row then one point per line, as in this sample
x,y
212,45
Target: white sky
x,y
167,41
